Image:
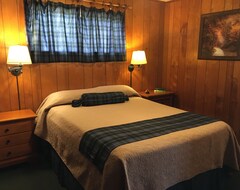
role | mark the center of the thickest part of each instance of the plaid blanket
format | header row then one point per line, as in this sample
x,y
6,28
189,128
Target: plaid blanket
x,y
95,99
97,144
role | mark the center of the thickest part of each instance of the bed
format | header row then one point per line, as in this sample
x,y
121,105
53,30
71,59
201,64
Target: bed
x,y
155,163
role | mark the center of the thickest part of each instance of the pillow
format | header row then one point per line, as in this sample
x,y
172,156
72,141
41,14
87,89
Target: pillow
x,y
94,99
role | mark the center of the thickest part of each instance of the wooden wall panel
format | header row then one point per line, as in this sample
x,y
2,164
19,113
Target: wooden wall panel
x,y
62,76
168,28
145,45
191,53
75,76
208,87
27,88
138,38
168,32
201,69
39,80
153,49
159,57
2,39
36,85
4,89
182,53
99,73
48,74
11,36
175,46
88,75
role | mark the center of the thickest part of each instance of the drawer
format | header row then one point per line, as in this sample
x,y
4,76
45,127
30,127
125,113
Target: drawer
x,y
167,100
160,97
15,139
15,151
7,128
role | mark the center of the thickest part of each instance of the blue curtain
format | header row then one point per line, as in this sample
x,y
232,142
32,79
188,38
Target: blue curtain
x,y
68,33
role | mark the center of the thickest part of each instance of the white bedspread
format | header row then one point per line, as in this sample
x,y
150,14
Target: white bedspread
x,y
155,163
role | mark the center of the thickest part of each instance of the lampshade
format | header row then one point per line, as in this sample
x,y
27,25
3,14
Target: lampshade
x,y
18,55
138,58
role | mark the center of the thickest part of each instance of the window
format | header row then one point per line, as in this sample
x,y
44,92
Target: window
x,y
67,33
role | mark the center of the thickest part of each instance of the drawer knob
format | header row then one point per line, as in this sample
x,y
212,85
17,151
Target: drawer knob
x,y
6,130
7,142
9,154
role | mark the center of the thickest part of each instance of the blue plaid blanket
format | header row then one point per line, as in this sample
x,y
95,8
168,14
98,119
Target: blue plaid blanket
x,y
97,144
95,99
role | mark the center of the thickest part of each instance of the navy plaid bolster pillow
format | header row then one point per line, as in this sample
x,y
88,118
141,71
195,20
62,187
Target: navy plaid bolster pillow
x,y
94,99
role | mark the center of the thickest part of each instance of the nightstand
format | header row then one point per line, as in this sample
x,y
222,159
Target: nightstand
x,y
163,97
16,129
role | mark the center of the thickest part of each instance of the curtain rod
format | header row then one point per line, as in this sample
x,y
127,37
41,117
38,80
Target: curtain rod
x,y
124,6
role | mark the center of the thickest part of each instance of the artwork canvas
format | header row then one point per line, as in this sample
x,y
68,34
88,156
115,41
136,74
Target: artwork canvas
x,y
219,37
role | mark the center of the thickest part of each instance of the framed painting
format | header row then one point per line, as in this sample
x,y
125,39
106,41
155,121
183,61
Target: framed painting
x,y
219,36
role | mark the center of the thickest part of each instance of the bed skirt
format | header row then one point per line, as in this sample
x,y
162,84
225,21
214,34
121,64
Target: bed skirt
x,y
211,180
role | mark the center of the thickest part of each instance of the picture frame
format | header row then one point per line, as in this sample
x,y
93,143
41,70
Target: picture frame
x,y
219,37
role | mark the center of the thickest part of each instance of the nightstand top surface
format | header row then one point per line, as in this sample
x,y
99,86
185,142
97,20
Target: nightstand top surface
x,y
152,93
16,115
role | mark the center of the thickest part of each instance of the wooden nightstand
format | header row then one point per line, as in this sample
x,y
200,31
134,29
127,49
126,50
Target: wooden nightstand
x,y
16,128
163,97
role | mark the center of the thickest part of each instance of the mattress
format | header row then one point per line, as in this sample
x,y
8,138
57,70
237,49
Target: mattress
x,y
155,163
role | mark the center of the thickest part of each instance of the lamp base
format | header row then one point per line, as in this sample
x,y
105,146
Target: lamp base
x,y
130,68
16,70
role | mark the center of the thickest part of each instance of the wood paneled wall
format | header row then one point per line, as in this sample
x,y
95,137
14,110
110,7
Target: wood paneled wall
x,y
144,26
203,86
169,35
